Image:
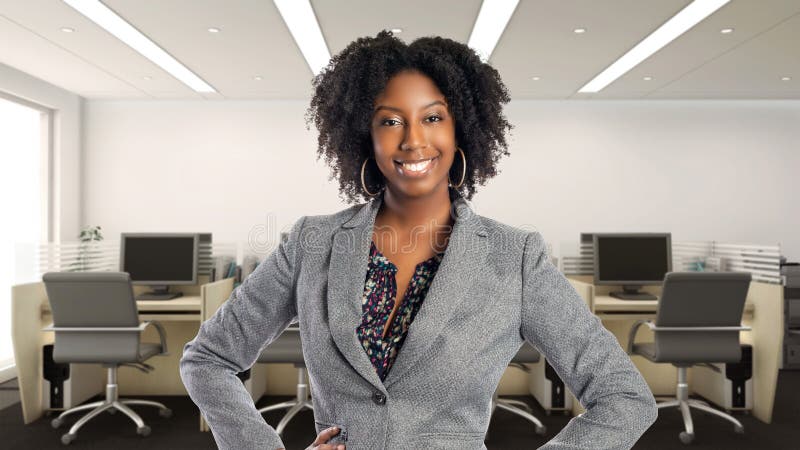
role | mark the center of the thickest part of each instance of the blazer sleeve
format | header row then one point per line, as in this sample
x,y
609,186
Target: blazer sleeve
x,y
256,313
587,357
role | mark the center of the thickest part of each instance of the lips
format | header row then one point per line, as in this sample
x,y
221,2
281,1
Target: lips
x,y
416,168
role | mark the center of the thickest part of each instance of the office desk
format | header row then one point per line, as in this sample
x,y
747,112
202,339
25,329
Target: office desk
x,y
762,311
181,318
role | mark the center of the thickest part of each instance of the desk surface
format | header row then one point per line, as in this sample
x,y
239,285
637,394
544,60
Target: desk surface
x,y
604,303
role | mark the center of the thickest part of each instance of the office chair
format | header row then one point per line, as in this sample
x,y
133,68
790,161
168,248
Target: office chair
x,y
526,354
697,322
95,320
287,348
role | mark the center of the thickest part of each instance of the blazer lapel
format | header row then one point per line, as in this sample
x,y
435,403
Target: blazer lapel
x,y
463,260
346,276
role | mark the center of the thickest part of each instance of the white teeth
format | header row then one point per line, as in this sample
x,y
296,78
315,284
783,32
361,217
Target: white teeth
x,y
417,167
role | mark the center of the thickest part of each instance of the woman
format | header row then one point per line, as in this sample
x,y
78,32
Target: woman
x,y
411,306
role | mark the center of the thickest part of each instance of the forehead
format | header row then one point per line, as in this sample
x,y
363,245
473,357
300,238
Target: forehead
x,y
409,89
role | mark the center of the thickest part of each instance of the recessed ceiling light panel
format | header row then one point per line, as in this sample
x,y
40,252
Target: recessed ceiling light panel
x,y
489,26
688,17
100,14
302,23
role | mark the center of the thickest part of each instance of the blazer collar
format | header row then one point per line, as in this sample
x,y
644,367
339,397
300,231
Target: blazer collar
x,y
463,260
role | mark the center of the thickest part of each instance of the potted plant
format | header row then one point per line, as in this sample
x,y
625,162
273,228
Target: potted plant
x,y
88,236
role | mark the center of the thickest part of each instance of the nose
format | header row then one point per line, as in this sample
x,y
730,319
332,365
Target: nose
x,y
415,138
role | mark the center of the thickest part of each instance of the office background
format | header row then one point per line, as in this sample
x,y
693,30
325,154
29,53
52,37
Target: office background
x,y
706,150
230,165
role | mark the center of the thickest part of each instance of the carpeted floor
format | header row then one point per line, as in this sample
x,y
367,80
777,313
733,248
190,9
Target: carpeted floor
x,y
506,431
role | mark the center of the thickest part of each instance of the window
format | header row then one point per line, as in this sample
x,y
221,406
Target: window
x,y
24,196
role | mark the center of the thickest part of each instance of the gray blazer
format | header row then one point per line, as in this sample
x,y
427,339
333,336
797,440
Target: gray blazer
x,y
495,286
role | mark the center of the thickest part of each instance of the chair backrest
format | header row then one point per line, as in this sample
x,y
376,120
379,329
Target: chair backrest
x,y
701,299
93,300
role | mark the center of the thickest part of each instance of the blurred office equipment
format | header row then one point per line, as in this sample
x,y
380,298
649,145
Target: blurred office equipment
x,y
65,385
96,321
525,355
547,387
728,385
790,272
698,321
632,260
160,260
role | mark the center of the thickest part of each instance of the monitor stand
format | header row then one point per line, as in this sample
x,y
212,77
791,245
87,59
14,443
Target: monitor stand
x,y
159,293
632,293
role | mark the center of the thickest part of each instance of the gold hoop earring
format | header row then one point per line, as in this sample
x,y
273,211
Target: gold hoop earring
x,y
463,170
363,184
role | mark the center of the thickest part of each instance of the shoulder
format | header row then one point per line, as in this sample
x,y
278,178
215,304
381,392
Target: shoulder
x,y
501,232
333,220
320,226
513,242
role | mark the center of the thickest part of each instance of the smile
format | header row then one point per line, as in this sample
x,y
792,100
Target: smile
x,y
416,169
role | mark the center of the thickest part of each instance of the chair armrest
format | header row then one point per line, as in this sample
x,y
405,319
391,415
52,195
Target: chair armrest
x,y
653,327
162,335
632,334
50,327
160,328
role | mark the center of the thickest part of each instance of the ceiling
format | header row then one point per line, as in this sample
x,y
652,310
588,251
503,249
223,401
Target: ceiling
x,y
539,41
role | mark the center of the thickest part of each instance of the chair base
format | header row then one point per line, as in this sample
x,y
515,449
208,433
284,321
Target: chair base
x,y
526,412
685,404
112,404
294,406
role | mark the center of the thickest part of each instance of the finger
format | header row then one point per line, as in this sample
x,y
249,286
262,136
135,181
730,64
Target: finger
x,y
325,435
329,447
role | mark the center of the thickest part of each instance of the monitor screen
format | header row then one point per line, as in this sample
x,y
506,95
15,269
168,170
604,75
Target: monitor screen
x,y
632,258
165,259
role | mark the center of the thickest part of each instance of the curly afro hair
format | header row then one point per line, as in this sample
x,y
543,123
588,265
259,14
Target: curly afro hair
x,y
345,91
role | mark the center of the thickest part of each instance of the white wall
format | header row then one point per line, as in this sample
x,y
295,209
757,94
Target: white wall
x,y
703,170
66,146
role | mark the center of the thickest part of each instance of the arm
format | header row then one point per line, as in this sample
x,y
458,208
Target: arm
x,y
619,404
257,312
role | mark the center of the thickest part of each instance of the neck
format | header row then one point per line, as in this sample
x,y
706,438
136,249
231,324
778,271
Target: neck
x,y
430,213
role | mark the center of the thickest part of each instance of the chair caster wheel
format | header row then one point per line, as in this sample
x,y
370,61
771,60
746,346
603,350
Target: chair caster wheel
x,y
541,430
165,413
55,423
143,431
739,429
67,439
686,438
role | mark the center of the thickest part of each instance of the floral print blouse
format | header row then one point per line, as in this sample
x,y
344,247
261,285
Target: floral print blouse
x,y
380,290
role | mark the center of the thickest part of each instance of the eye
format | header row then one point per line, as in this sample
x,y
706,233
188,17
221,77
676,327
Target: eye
x,y
438,118
386,122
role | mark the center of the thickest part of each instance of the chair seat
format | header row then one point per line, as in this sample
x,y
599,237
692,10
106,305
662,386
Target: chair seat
x,y
526,354
285,349
646,349
147,350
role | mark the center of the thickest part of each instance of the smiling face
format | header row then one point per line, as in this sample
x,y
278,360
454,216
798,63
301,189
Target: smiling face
x,y
413,135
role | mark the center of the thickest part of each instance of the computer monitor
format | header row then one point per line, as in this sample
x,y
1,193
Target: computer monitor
x,y
160,260
632,260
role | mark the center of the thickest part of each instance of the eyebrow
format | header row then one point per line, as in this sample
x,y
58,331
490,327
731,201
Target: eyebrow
x,y
392,108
